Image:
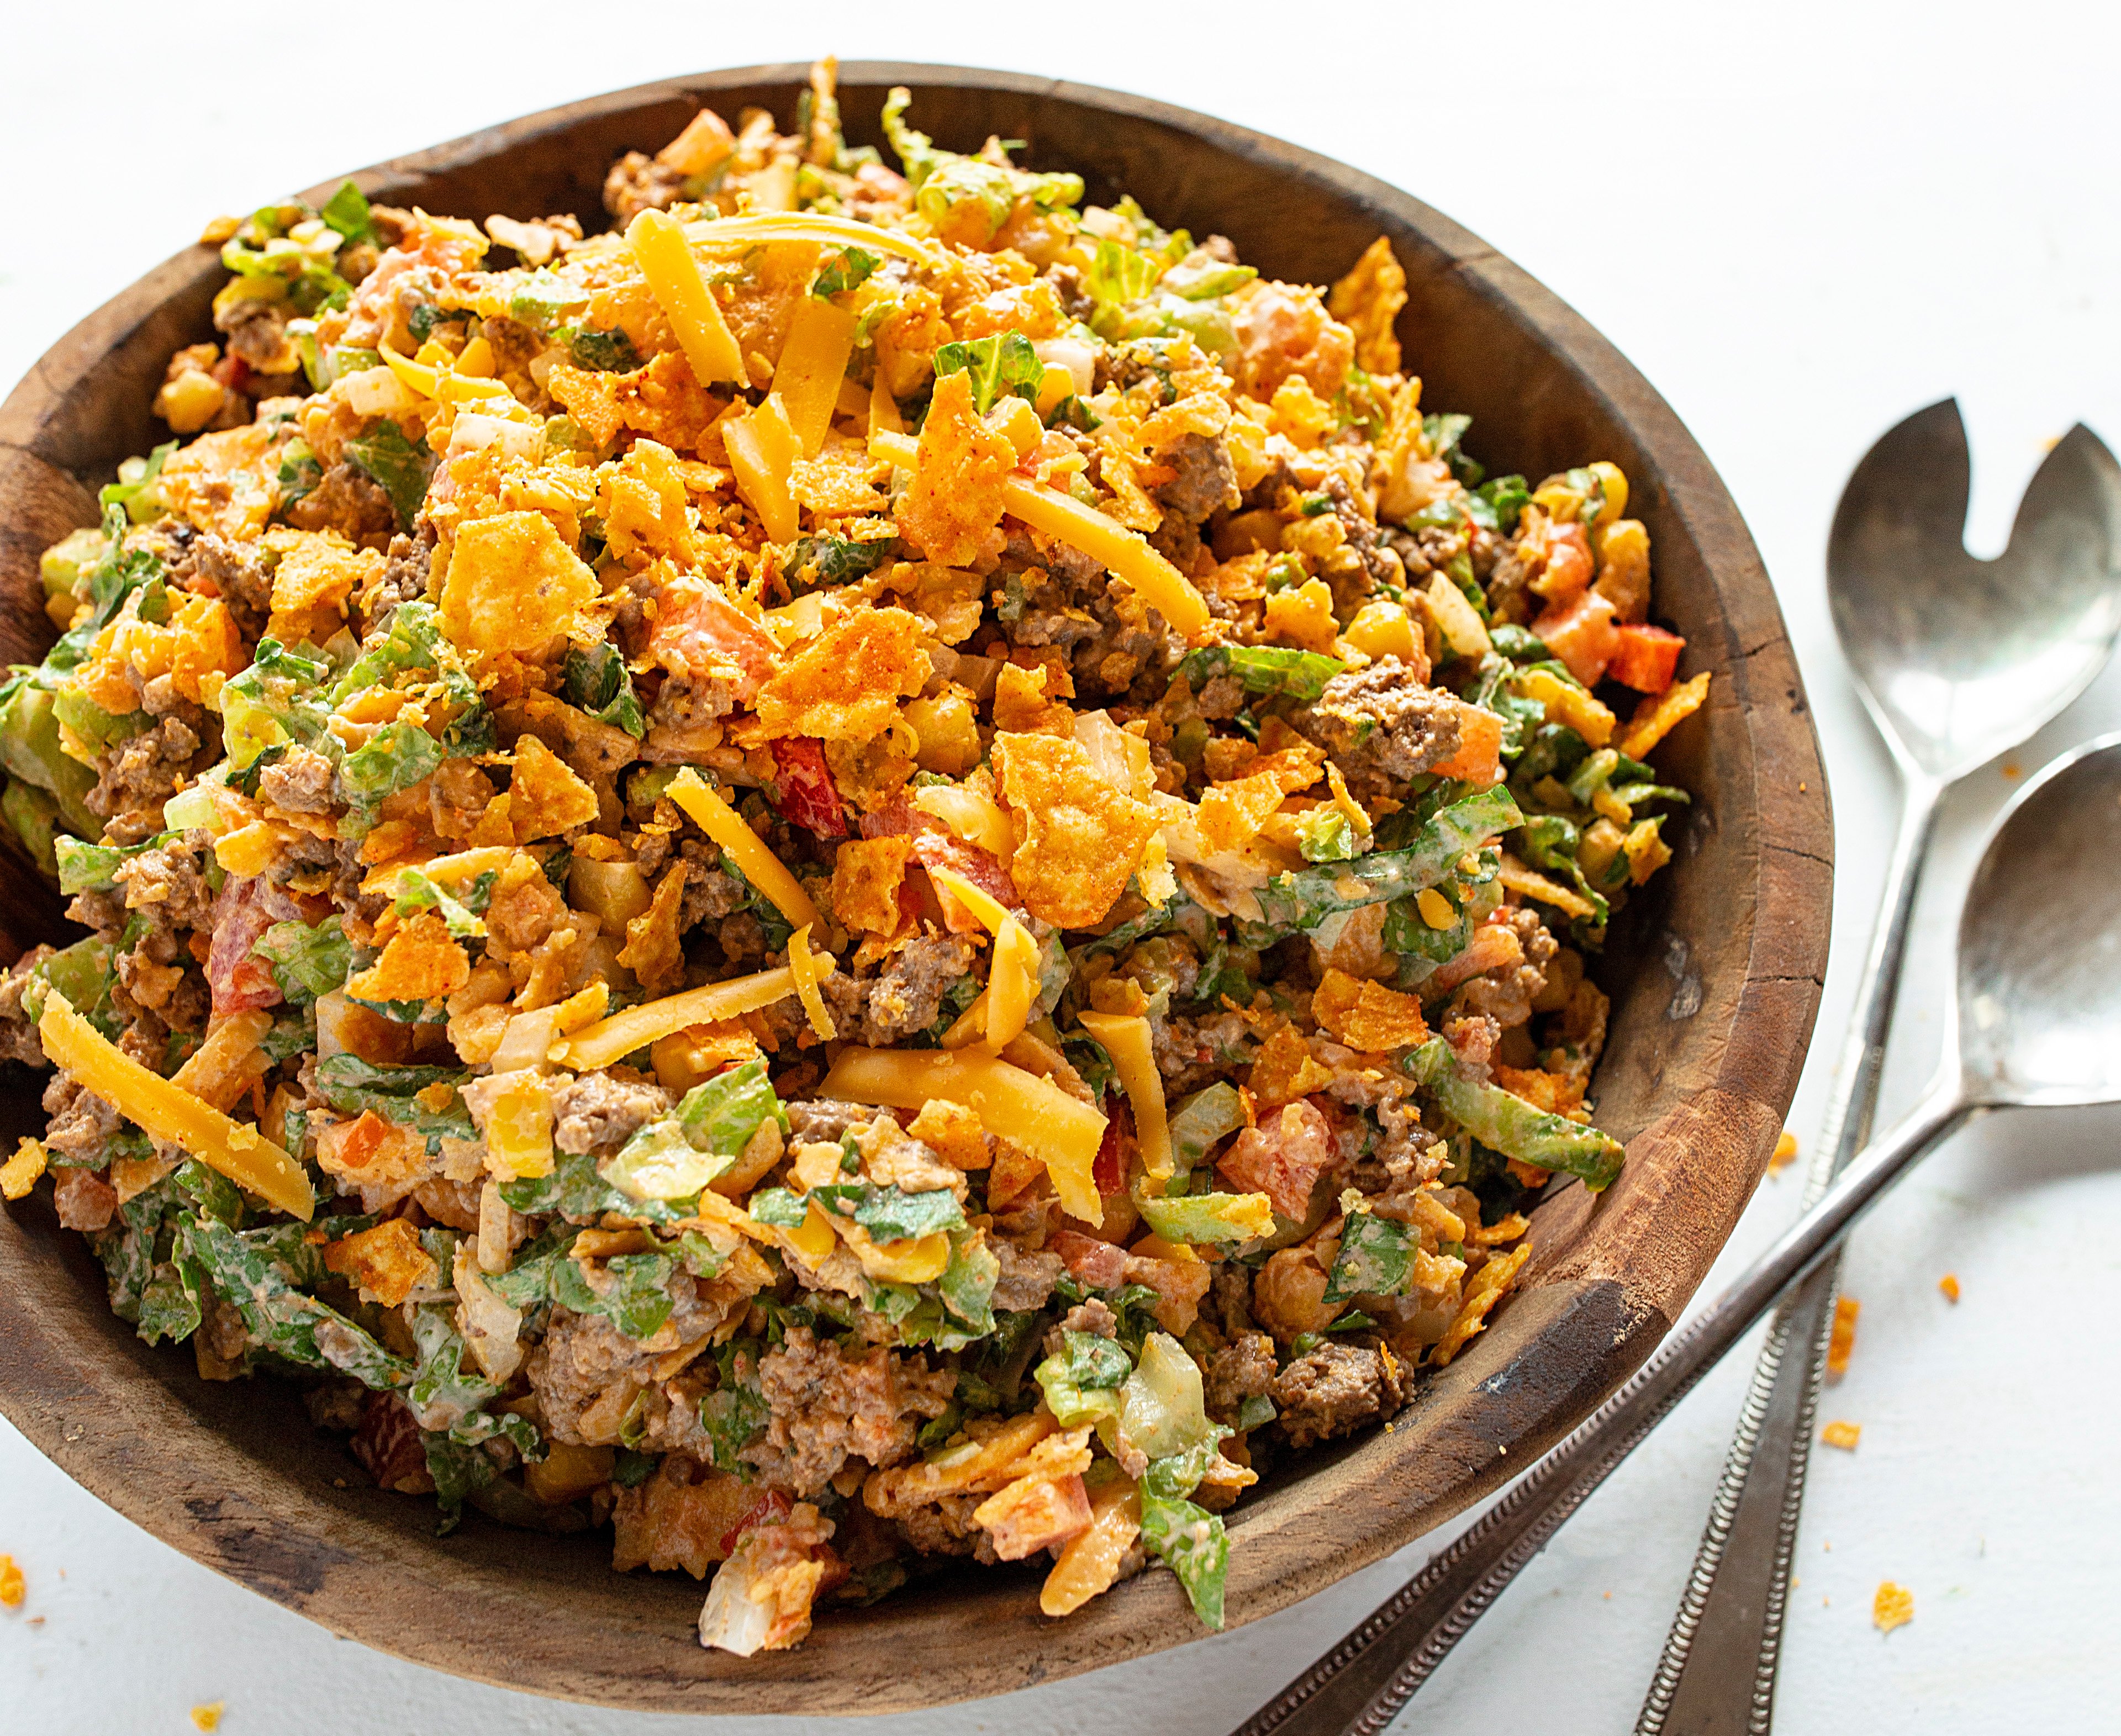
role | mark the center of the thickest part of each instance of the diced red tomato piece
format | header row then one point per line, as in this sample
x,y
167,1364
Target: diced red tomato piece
x,y
807,795
1478,759
935,845
1583,635
772,1506
1098,1265
708,634
1646,658
239,981
1569,565
386,1443
1282,1158
1108,1170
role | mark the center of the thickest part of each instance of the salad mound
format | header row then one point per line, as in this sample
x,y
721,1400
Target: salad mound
x,y
879,866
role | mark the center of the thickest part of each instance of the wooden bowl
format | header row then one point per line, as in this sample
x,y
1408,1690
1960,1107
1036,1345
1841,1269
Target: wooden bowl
x,y
1715,981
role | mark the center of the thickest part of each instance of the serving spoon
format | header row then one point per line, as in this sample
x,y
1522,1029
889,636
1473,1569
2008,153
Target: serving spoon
x,y
1958,661
2036,1023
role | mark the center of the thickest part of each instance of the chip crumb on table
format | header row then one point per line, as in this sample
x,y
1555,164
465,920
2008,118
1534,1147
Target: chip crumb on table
x,y
208,1717
1784,1154
1842,1434
1892,1607
1949,1284
1844,1341
13,1587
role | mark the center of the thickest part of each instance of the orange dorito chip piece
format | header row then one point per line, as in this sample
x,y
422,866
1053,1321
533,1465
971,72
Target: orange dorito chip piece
x,y
1949,1284
13,1587
1367,301
660,400
1077,839
1232,814
866,876
419,963
1366,1017
1842,1434
1487,1287
1285,1070
545,797
514,586
845,685
317,569
953,505
1844,1341
646,511
652,951
1892,1607
1021,705
387,1263
951,1129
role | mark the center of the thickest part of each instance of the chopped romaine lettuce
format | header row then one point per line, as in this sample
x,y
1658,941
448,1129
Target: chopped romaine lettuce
x,y
1001,366
1264,668
401,467
307,962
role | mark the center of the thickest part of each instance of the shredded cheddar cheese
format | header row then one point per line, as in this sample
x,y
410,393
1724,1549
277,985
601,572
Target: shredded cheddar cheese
x,y
166,1111
762,451
664,254
636,1027
804,964
1126,1038
1031,1111
813,362
760,865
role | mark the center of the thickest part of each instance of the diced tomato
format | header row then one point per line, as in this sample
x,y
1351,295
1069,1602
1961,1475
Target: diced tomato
x,y
1478,759
935,845
232,371
772,1506
239,981
807,795
1581,635
1646,658
1568,567
1108,1170
1283,1158
1098,1265
708,634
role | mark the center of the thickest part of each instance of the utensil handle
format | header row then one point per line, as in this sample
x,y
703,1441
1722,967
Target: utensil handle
x,y
1716,1676
1360,1686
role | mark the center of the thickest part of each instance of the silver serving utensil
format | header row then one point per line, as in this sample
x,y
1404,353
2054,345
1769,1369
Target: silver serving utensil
x,y
2036,1023
1958,661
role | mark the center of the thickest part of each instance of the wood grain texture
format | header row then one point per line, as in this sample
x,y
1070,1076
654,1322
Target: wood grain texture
x,y
1715,976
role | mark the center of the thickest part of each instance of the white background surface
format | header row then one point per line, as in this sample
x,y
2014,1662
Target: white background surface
x,y
1800,230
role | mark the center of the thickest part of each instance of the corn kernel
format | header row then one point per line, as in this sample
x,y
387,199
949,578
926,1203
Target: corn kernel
x,y
1647,851
1616,483
1017,423
477,360
950,738
1435,908
1611,806
190,401
1055,385
1382,629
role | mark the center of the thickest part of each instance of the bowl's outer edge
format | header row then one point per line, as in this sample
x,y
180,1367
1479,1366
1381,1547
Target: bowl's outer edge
x,y
203,1469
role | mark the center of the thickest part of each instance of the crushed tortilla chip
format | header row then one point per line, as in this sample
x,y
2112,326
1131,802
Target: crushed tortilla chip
x,y
318,569
1844,1340
1285,1070
19,1175
1784,1154
514,586
951,510
1558,1094
1077,839
546,797
207,1718
866,876
845,685
13,1589
1949,1284
1659,715
1892,1607
954,599
660,400
420,962
841,482
1020,706
386,1263
1366,1016
647,511
1232,814
1483,1289
1367,301
954,1131
1842,1434
1302,615
652,951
